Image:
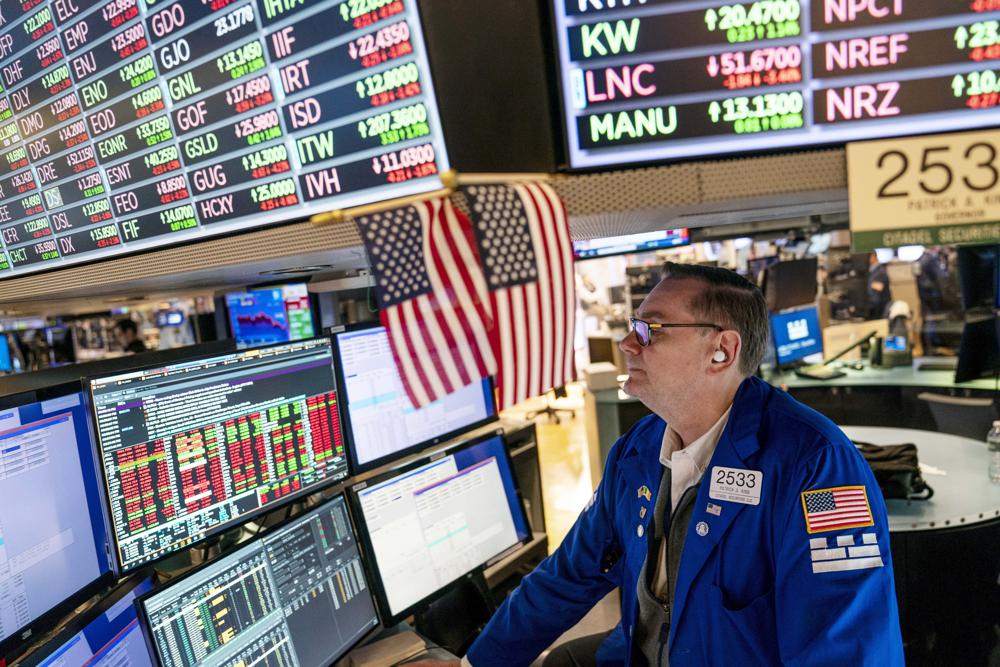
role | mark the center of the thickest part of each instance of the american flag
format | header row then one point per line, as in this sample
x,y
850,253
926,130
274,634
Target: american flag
x,y
432,297
836,509
524,242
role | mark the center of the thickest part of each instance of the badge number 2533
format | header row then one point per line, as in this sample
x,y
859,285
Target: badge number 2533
x,y
735,485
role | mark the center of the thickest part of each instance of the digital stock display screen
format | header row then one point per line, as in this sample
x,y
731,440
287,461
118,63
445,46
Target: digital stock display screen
x,y
666,79
130,124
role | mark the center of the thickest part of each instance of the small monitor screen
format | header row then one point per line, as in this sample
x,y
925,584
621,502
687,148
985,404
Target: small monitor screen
x,y
790,284
429,525
110,636
380,420
617,245
270,315
53,540
191,448
296,596
797,336
6,363
895,343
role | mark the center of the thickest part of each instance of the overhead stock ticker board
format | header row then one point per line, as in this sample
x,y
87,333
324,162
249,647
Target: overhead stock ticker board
x,y
130,124
654,80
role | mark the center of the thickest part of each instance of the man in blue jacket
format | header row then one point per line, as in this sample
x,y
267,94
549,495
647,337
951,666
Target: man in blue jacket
x,y
742,527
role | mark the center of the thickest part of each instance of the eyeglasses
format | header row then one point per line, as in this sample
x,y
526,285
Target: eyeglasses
x,y
643,329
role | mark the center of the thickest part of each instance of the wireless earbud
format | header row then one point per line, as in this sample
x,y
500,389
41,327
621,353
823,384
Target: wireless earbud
x,y
719,356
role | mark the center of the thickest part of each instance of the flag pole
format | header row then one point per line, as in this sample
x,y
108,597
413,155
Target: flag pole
x,y
451,180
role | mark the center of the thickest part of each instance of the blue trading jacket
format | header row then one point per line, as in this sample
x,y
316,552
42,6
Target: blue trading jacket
x,y
755,586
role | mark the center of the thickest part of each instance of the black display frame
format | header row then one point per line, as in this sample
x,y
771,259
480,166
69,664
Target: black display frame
x,y
369,558
95,258
236,522
144,622
565,149
345,412
21,639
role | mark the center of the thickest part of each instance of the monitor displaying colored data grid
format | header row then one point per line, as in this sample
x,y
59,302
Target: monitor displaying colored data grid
x,y
53,535
106,635
296,596
656,80
380,422
429,524
127,125
270,315
191,448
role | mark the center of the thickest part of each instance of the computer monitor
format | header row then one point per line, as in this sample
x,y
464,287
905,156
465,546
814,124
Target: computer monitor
x,y
53,534
978,275
269,315
106,635
190,448
790,284
979,351
428,524
6,360
295,596
380,423
619,245
797,336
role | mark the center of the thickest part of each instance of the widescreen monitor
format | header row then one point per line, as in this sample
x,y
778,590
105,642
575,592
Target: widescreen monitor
x,y
978,275
979,350
790,284
797,336
190,448
106,635
380,423
270,315
129,125
619,245
53,534
295,596
427,525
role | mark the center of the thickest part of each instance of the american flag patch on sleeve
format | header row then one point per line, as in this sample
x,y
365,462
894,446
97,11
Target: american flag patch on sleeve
x,y
836,509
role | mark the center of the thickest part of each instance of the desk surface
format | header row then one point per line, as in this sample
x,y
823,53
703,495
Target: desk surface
x,y
963,494
901,376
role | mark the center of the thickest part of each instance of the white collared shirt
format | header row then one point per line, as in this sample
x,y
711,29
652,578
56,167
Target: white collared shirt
x,y
688,464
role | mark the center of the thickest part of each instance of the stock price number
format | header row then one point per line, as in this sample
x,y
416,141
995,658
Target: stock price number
x,y
406,163
938,169
363,13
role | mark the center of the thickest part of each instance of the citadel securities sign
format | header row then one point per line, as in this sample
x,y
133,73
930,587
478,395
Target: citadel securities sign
x,y
942,189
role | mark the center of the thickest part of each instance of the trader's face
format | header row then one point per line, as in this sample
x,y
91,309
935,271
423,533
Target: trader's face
x,y
662,373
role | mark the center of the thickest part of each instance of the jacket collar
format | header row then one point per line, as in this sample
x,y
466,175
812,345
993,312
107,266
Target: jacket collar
x,y
741,429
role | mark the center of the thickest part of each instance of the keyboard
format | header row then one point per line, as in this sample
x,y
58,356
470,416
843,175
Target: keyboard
x,y
819,372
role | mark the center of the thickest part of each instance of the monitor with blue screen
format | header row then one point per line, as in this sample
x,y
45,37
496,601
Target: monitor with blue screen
x,y
53,536
797,336
107,635
428,524
6,363
380,423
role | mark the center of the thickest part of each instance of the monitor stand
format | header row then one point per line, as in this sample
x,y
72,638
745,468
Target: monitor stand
x,y
454,620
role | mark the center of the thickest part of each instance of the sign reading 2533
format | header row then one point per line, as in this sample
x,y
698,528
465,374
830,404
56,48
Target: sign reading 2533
x,y
942,189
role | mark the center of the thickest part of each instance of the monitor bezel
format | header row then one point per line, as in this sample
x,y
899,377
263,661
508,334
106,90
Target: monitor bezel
x,y
140,608
14,644
345,411
121,569
371,561
79,622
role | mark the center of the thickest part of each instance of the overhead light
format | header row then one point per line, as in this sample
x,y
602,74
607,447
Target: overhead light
x,y
312,268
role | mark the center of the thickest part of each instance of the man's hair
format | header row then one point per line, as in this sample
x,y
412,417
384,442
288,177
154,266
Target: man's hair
x,y
732,302
126,326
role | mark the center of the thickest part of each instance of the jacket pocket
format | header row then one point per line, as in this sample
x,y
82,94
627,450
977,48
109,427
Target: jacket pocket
x,y
750,629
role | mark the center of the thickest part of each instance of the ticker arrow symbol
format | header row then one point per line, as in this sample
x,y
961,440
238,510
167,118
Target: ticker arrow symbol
x,y
958,85
961,37
713,66
711,19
